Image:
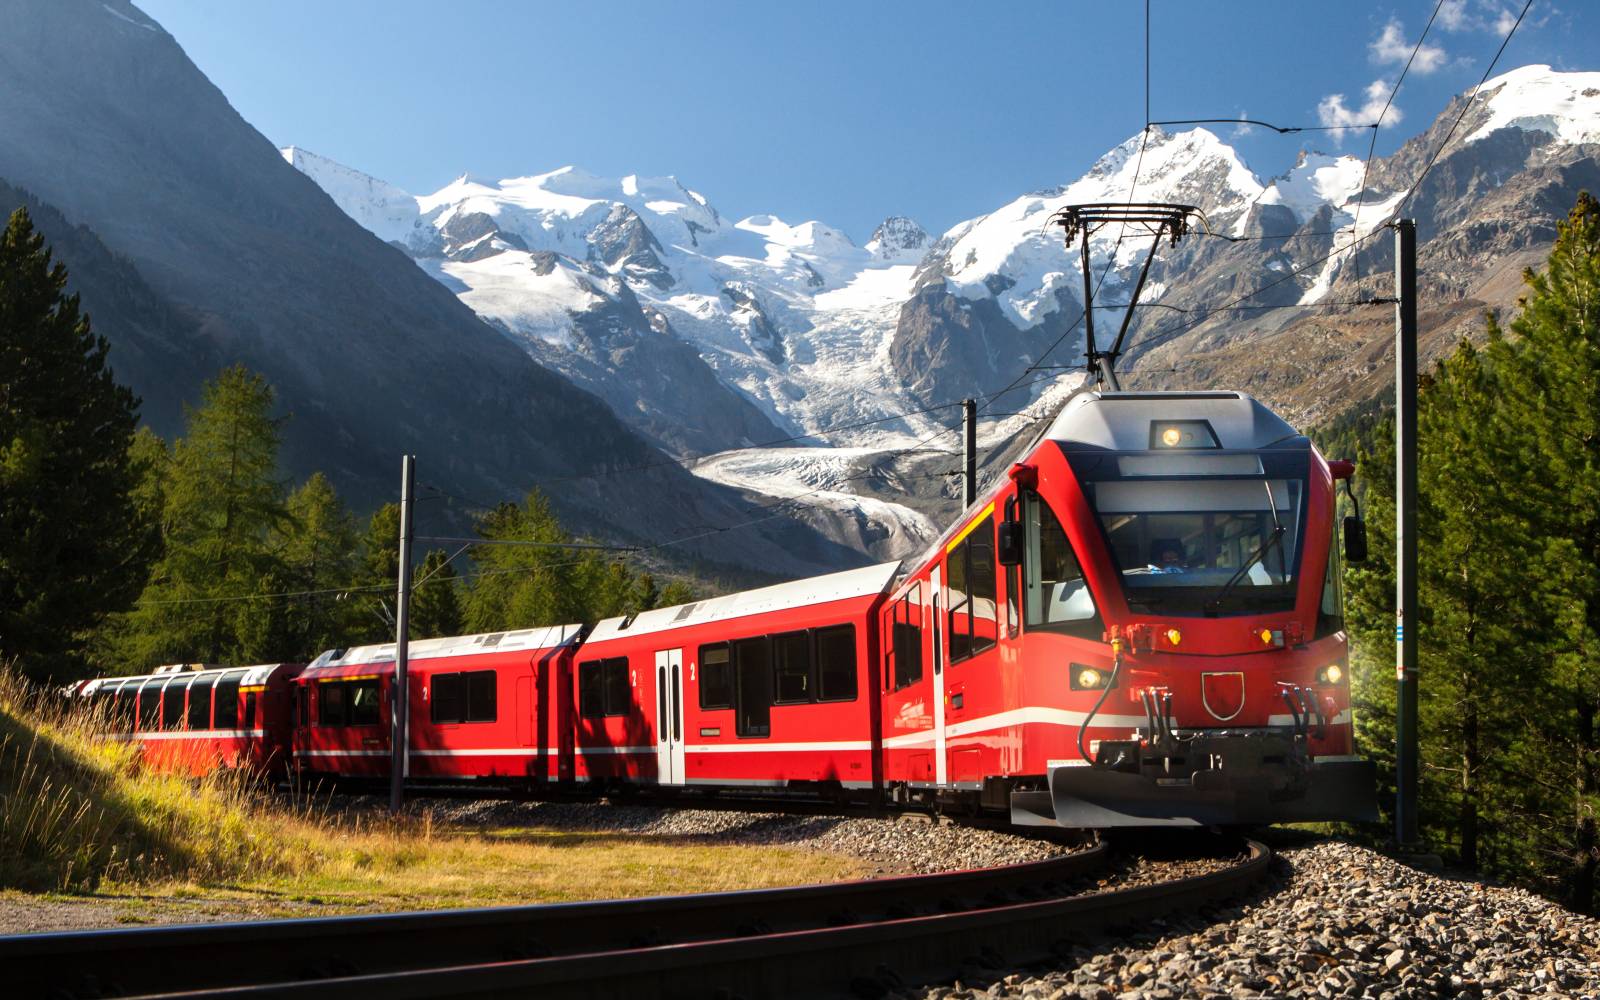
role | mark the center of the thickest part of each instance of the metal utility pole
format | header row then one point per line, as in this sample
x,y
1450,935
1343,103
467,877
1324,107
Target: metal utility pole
x,y
969,423
1405,485
402,623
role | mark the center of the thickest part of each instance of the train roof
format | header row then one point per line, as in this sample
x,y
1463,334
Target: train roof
x,y
864,582
546,637
1122,421
1092,420
249,676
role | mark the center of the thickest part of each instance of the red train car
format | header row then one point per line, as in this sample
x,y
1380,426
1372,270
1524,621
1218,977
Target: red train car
x,y
1140,624
193,718
776,687
483,706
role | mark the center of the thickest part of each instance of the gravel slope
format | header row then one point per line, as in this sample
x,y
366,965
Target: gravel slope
x,y
1336,921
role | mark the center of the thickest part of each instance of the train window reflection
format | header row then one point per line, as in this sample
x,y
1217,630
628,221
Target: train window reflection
x,y
716,677
1056,592
836,663
1179,545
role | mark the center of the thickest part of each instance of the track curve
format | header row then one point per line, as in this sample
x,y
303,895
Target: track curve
x,y
850,938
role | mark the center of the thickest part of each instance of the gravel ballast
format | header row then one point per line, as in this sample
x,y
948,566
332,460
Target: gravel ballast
x,y
1335,921
892,846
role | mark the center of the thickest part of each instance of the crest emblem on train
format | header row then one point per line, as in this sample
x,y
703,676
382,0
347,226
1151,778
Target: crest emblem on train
x,y
1223,694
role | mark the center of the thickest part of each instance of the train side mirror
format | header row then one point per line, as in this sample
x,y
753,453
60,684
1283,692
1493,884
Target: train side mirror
x,y
1009,547
1355,539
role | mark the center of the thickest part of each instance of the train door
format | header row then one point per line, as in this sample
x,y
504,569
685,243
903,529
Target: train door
x,y
934,585
669,716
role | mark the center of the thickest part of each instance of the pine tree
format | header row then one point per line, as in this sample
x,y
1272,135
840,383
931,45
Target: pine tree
x,y
436,598
519,587
73,546
222,506
379,566
1551,370
317,546
1478,629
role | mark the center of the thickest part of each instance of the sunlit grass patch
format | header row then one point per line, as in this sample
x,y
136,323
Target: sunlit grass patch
x,y
78,814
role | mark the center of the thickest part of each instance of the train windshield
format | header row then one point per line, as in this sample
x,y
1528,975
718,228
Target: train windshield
x,y
1202,535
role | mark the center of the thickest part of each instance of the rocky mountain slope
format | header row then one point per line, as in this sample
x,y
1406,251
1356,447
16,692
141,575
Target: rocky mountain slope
x,y
103,117
638,287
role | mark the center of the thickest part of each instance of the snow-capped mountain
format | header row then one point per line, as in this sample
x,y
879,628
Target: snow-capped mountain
x,y
712,336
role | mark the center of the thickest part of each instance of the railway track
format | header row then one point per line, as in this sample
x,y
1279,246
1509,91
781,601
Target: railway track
x,y
846,939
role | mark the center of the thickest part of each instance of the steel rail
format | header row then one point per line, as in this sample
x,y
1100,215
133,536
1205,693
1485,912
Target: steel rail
x,y
807,940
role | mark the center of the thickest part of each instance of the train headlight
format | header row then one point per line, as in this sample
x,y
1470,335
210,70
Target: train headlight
x,y
1330,674
1171,436
1087,678
1174,636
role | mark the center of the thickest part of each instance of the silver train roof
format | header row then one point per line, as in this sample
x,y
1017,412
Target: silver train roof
x,y
1121,421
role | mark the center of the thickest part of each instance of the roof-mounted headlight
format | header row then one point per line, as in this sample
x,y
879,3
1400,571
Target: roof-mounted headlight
x,y
1180,435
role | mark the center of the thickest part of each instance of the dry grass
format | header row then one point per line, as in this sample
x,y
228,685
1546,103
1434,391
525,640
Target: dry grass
x,y
78,814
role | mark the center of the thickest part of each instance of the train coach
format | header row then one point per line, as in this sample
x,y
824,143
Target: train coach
x,y
193,718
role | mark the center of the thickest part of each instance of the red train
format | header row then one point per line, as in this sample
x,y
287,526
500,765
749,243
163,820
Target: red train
x,y
1141,624
194,718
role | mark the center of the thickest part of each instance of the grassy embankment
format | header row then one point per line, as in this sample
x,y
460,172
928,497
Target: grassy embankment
x,y
78,816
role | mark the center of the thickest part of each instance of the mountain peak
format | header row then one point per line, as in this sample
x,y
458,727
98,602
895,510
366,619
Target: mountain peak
x,y
1537,98
898,237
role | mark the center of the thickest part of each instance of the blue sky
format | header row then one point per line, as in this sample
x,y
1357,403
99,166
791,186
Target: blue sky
x,y
844,112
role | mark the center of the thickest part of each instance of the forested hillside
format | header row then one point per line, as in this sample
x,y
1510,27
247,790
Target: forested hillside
x,y
1509,477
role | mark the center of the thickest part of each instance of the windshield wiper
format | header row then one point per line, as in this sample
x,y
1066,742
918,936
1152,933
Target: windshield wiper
x,y
1215,604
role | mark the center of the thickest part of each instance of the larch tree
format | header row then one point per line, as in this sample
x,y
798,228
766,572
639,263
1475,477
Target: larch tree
x,y
222,506
74,547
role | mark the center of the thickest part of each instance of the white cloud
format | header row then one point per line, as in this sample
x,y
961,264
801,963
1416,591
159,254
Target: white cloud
x,y
1453,16
1505,21
1392,46
1333,112
1243,128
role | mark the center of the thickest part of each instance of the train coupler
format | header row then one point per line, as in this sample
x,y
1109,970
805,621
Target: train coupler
x,y
1215,778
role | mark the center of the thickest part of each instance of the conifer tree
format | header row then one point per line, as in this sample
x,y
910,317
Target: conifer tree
x,y
1551,370
518,587
1481,669
222,506
436,600
317,546
73,546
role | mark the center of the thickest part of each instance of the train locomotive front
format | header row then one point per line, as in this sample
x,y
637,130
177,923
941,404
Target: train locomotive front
x,y
1180,569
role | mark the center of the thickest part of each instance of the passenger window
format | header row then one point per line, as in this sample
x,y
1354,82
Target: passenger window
x,y
480,695
150,705
200,702
330,704
603,688
591,695
908,638
973,592
791,664
225,715
716,677
250,709
1055,591
172,705
836,663
753,688
619,693
1330,612
444,698
361,703
127,706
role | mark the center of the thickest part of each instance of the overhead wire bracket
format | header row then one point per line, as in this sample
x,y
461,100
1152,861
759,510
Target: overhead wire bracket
x,y
1155,220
